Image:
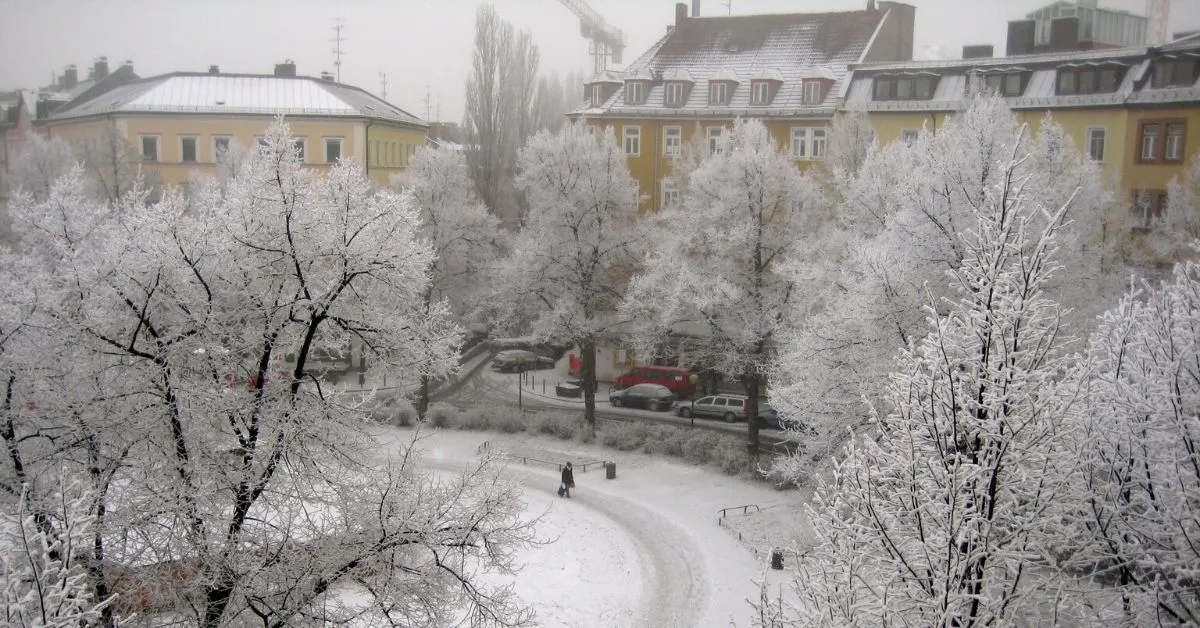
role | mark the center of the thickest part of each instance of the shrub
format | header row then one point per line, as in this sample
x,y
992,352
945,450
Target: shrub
x,y
665,440
562,426
392,410
442,415
625,436
699,447
473,419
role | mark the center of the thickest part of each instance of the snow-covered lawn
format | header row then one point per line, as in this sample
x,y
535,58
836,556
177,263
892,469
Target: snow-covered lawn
x,y
644,549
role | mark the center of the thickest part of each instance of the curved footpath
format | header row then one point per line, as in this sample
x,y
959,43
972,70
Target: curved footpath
x,y
641,550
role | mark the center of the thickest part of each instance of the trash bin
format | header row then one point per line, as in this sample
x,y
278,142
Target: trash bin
x,y
610,470
777,558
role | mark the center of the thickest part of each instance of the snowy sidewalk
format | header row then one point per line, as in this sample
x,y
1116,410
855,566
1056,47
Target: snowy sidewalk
x,y
644,549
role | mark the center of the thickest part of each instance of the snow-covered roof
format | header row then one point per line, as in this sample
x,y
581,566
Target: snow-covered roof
x,y
790,47
607,76
640,74
239,94
766,74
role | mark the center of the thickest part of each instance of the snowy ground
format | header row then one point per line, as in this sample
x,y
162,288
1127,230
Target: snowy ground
x,y
645,549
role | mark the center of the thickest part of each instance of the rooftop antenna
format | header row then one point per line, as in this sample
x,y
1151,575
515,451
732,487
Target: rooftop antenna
x,y
728,4
427,101
338,25
383,85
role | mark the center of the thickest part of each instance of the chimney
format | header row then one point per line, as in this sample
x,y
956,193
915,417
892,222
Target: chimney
x,y
871,5
327,76
70,77
212,69
100,68
695,8
681,14
286,69
981,51
128,63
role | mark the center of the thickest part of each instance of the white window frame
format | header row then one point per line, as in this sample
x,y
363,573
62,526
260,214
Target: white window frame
x,y
715,135
673,94
908,136
341,148
819,136
670,195
597,94
1091,135
718,93
635,93
216,150
812,92
760,93
672,148
301,143
799,142
195,148
157,147
631,136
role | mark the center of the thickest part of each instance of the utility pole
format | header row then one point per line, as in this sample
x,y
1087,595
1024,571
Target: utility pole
x,y
383,84
728,4
427,101
337,40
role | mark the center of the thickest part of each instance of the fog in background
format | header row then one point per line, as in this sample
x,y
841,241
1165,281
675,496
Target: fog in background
x,y
423,46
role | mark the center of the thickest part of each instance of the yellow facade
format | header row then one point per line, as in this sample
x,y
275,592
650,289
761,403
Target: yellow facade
x,y
381,147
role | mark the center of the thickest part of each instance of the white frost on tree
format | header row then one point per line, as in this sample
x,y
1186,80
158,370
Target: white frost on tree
x,y
714,273
39,163
571,261
946,512
230,485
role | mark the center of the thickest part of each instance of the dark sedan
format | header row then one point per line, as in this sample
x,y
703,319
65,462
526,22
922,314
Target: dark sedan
x,y
650,396
517,360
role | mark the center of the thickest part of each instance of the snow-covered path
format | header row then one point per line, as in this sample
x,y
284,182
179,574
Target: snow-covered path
x,y
642,550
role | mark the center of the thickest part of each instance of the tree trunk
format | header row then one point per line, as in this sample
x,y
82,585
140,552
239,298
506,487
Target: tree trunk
x,y
587,372
423,398
753,387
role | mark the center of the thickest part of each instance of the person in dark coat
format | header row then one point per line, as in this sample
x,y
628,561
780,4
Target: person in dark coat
x,y
568,481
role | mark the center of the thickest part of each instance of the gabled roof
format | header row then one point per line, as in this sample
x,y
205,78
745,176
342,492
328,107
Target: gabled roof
x,y
237,94
788,46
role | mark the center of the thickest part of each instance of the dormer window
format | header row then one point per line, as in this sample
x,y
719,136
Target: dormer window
x,y
597,94
1009,82
919,87
760,92
673,94
718,92
635,92
814,93
1088,79
1175,72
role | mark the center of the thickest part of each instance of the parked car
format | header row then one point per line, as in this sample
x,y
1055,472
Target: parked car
x,y
768,417
650,396
728,408
673,377
517,360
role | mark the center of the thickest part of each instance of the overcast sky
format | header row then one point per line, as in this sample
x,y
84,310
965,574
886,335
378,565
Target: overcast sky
x,y
421,45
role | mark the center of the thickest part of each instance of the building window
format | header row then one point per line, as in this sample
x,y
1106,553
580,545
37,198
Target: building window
x,y
674,94
1088,80
149,148
812,93
220,146
1149,207
908,136
1174,73
1007,84
187,149
1161,141
714,139
333,149
597,95
298,147
901,88
1095,143
718,93
799,142
760,92
635,93
670,196
672,140
818,144
633,140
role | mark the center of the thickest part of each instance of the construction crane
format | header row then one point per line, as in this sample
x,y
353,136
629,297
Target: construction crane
x,y
607,40
1158,12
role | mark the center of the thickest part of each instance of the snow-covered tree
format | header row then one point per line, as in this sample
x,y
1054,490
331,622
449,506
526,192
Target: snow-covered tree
x,y
39,163
44,584
714,271
572,260
1138,438
896,227
946,512
465,237
229,484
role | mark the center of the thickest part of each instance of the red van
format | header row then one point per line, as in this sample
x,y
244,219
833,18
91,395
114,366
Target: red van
x,y
673,377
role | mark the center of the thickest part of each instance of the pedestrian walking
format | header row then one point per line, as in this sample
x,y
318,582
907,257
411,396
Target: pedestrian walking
x,y
568,481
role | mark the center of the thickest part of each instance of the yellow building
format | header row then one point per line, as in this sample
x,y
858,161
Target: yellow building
x,y
179,123
788,70
1136,111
